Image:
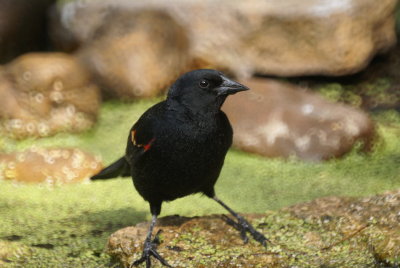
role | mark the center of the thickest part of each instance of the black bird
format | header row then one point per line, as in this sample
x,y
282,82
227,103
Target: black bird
x,y
178,147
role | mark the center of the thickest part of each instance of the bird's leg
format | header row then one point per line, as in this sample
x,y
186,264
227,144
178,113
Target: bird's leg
x,y
150,247
242,225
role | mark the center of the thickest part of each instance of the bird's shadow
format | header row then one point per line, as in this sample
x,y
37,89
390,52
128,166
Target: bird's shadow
x,y
87,232
109,221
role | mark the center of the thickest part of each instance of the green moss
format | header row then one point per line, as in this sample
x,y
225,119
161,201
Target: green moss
x,y
68,226
368,93
289,245
332,91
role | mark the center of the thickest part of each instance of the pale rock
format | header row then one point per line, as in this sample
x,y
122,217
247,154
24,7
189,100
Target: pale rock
x,y
285,38
45,93
277,119
50,166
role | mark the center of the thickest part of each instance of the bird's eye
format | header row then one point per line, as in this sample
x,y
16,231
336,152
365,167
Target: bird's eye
x,y
204,84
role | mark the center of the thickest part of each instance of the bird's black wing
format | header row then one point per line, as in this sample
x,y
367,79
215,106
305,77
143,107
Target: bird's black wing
x,y
140,139
143,133
119,168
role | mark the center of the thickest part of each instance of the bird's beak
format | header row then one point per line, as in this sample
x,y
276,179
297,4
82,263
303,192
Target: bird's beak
x,y
229,87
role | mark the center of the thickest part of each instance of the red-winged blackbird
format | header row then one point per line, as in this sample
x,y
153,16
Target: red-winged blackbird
x,y
178,147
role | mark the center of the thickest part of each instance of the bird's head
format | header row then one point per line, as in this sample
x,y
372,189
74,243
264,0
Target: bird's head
x,y
203,91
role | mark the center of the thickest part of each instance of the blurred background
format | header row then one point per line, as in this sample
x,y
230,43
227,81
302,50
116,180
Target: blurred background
x,y
321,118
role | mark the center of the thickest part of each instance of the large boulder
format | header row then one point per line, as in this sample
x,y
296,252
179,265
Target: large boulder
x,y
50,166
277,119
136,54
22,27
45,93
287,38
327,232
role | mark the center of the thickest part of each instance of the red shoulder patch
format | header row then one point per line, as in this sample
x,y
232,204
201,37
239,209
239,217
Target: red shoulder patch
x,y
148,145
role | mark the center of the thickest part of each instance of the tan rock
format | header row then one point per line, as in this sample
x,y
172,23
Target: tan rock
x,y
136,54
286,38
277,119
381,209
45,93
60,37
50,166
192,242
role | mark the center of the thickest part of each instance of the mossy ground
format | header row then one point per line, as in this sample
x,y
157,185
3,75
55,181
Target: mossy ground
x,y
294,242
68,226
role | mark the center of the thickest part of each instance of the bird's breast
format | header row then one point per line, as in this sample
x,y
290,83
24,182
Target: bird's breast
x,y
182,159
190,143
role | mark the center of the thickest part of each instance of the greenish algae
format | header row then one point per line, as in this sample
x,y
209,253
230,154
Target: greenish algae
x,y
294,242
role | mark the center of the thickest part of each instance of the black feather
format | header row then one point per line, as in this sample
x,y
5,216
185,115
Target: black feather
x,y
119,168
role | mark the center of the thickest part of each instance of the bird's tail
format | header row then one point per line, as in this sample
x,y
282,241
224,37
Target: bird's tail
x,y
119,168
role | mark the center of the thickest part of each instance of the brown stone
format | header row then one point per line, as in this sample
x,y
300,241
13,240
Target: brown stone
x,y
197,233
289,38
136,54
61,38
45,93
285,38
277,119
51,166
380,209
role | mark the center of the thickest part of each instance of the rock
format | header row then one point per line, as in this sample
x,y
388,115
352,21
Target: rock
x,y
61,38
277,119
376,88
284,38
51,166
327,232
191,242
22,27
379,215
42,94
136,54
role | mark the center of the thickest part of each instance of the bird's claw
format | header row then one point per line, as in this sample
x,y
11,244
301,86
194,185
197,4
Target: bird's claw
x,y
243,227
149,250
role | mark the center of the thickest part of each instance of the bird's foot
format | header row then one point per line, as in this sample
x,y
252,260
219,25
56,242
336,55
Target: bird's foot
x,y
149,250
244,227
